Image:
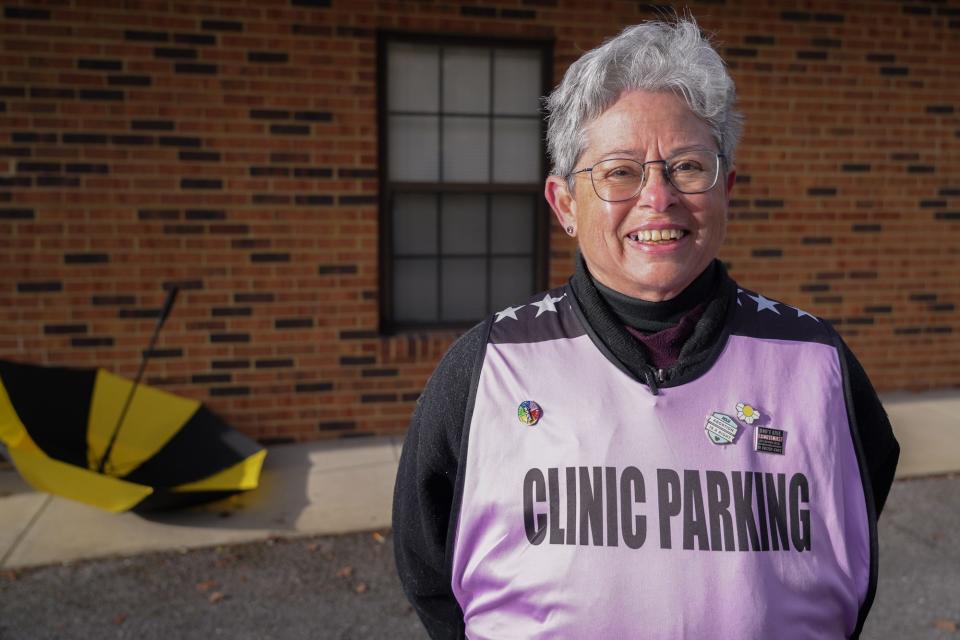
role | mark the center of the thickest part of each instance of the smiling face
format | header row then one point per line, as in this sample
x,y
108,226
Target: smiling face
x,y
618,240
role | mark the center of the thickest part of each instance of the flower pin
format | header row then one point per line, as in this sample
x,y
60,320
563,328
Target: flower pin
x,y
747,412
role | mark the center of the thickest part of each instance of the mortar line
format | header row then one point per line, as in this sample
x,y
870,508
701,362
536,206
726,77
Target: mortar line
x,y
26,529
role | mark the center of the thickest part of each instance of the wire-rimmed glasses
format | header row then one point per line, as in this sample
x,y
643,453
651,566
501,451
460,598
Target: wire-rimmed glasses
x,y
618,179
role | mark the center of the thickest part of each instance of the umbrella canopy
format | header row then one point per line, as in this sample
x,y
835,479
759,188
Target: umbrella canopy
x,y
57,424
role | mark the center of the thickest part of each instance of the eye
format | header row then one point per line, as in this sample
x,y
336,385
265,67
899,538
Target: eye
x,y
621,172
687,165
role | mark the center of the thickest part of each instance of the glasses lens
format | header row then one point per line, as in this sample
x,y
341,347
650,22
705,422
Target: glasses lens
x,y
694,171
617,179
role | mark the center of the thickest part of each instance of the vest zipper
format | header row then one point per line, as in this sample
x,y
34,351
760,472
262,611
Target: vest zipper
x,y
661,376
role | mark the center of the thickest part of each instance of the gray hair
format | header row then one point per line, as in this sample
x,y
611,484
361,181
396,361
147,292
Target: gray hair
x,y
651,56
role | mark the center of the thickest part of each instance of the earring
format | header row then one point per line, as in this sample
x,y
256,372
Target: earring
x,y
569,230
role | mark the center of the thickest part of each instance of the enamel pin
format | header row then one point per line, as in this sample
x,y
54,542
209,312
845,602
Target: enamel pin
x,y
721,428
529,412
769,440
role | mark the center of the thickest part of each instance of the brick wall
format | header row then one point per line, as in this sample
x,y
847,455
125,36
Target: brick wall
x,y
230,147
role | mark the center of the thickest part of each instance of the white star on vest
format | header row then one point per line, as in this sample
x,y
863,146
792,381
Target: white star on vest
x,y
546,304
801,313
764,303
509,312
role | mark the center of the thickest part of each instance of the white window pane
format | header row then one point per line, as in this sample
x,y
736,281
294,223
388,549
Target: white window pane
x,y
517,82
517,150
414,290
463,282
466,80
464,223
414,224
413,77
512,224
466,149
511,281
414,144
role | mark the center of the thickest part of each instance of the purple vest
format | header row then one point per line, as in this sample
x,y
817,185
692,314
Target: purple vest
x,y
728,506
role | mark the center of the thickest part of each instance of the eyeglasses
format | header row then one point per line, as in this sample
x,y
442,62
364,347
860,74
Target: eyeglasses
x,y
619,179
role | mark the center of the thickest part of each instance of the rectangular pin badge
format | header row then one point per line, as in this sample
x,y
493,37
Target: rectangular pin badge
x,y
769,440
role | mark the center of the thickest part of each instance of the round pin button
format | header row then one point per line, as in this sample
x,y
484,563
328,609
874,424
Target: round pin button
x,y
529,412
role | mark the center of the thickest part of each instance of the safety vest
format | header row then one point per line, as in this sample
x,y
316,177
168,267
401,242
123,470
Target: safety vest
x,y
728,505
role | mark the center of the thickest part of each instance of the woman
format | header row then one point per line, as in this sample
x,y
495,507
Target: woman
x,y
649,450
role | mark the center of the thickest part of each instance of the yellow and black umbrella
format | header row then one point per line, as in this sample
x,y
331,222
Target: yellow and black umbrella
x,y
60,428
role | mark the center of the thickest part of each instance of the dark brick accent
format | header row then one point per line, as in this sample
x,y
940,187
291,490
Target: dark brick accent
x,y
185,285
274,363
768,204
101,94
269,257
210,378
822,191
940,109
357,334
933,204
816,240
938,330
921,168
863,275
326,269
943,306
269,198
411,396
302,200
269,171
796,16
907,331
230,364
947,215
152,125
767,253
102,341
163,353
855,167
353,200
183,229
894,71
146,36
17,214
337,425
206,214
253,297
200,183
229,228
949,191
379,373
195,38
311,30
269,114
86,258
313,387
202,156
57,181
353,360
830,275
882,308
267,57
63,329
229,391
99,301
158,214
129,81
309,172
923,297
518,14
290,129
311,4
368,398
828,299
230,337
483,12
828,43
916,10
905,157
829,17
286,156
132,140
881,57
293,323
859,320
39,167
250,243
867,228
86,167
39,287
175,53
223,312
195,67
760,40
26,13
739,52
313,116
99,65
356,172
138,314
15,181
815,287
811,55
221,25
30,136
57,93
355,32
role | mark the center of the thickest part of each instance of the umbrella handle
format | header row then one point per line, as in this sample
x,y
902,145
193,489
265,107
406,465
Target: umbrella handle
x,y
164,312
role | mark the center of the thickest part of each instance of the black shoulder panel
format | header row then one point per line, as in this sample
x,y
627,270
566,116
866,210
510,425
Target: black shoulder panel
x,y
760,317
548,315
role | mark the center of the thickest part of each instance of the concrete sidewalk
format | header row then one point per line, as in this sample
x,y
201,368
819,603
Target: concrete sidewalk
x,y
336,487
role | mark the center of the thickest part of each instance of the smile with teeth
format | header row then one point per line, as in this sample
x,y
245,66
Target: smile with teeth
x,y
657,235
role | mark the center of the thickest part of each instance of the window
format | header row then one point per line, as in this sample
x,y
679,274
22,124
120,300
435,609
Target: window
x,y
463,221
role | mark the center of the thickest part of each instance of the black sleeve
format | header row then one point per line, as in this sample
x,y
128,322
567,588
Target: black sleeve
x,y
425,491
880,448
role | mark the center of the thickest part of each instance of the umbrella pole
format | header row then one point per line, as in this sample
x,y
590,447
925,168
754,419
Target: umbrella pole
x,y
167,306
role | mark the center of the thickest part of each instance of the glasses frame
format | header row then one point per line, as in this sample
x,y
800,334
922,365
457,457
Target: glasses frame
x,y
643,181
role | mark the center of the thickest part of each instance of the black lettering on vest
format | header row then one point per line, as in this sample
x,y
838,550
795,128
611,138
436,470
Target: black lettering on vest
x,y
799,492
694,521
718,510
743,511
777,511
761,511
591,505
534,488
611,474
571,505
553,484
668,495
632,537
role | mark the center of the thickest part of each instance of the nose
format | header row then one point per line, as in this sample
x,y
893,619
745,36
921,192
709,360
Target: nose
x,y
657,193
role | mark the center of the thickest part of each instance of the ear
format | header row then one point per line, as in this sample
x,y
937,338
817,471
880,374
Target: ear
x,y
560,199
731,180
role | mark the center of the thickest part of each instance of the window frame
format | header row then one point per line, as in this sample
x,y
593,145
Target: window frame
x,y
388,188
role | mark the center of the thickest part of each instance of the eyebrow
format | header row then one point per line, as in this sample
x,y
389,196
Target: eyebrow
x,y
632,153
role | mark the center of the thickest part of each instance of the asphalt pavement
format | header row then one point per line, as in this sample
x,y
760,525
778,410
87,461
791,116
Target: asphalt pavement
x,y
345,586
